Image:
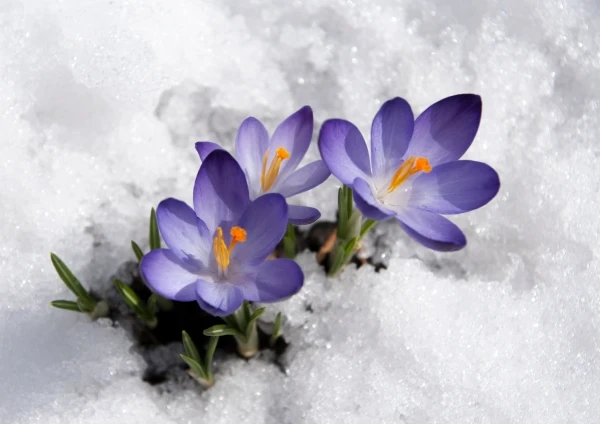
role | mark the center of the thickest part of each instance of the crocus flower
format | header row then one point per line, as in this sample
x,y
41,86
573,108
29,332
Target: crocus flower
x,y
217,250
414,173
270,165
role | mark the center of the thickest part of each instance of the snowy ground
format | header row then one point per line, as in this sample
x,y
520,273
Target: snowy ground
x,y
100,103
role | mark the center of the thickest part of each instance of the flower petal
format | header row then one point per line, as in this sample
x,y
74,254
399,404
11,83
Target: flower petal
x,y
182,233
294,135
366,202
218,299
276,280
302,215
391,131
220,192
344,150
167,276
204,148
251,144
265,222
446,129
432,230
304,179
455,187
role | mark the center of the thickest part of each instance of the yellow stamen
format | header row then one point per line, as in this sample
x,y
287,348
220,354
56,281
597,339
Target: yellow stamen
x,y
222,252
267,178
409,167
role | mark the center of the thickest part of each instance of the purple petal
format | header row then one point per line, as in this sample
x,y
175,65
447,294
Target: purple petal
x,y
181,231
302,215
294,135
276,280
455,187
265,222
220,192
446,129
344,150
167,276
250,146
304,179
366,202
432,230
390,134
218,299
204,148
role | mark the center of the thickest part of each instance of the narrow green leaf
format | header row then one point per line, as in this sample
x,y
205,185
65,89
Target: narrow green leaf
x,y
85,305
289,242
152,305
349,200
232,321
137,251
349,247
247,309
195,366
132,299
252,321
367,226
276,330
154,234
190,347
222,330
67,305
210,351
67,276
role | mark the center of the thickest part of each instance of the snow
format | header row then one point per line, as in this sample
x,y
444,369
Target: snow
x,y
100,104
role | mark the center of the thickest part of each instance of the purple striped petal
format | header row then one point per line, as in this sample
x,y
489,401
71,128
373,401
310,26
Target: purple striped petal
x,y
166,275
184,233
391,132
220,192
304,179
302,215
265,222
294,135
204,148
446,129
276,280
251,144
432,230
455,187
218,299
366,202
344,150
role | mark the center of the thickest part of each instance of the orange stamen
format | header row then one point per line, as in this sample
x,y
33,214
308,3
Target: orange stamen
x,y
409,167
222,252
267,178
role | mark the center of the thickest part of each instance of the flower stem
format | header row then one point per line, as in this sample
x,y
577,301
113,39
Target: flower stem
x,y
248,346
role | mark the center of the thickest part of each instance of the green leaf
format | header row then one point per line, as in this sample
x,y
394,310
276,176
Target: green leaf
x,y
276,330
137,251
190,347
134,302
232,321
85,305
349,247
67,305
195,366
252,321
289,242
152,305
154,234
247,310
222,330
367,226
210,351
68,278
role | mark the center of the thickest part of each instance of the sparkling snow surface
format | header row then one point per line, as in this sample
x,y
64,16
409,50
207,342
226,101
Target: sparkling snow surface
x,y
101,102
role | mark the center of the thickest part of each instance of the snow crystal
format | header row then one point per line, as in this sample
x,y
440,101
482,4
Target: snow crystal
x,y
101,103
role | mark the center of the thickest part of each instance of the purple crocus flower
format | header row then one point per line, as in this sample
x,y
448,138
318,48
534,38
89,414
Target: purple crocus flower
x,y
270,165
216,251
414,173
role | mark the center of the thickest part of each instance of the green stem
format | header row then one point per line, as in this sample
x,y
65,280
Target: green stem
x,y
248,346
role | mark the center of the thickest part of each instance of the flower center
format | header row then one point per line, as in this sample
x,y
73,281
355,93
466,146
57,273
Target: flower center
x,y
267,178
409,167
222,252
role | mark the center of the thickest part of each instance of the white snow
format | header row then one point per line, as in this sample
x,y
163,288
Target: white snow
x,y
101,102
